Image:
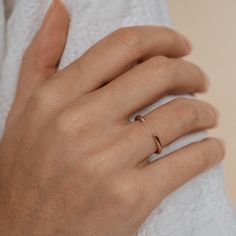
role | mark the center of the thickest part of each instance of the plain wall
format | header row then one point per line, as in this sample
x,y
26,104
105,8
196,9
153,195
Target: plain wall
x,y
211,25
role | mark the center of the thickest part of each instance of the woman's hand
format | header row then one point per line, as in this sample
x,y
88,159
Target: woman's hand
x,y
71,163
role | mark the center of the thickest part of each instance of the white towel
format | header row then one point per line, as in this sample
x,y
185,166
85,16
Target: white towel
x,y
200,207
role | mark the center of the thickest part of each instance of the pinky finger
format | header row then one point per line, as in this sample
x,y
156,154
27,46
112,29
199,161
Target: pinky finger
x,y
167,174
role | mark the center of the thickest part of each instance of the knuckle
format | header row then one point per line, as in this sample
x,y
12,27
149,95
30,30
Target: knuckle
x,y
128,38
40,98
125,194
71,124
185,110
61,123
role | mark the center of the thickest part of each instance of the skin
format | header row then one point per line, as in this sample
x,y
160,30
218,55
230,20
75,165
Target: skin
x,y
71,163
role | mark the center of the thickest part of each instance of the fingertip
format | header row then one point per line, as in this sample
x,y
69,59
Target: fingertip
x,y
206,81
189,44
57,17
218,145
64,14
223,146
52,35
186,42
203,78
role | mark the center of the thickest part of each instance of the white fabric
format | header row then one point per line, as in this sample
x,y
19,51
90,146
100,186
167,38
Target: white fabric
x,y
2,32
200,207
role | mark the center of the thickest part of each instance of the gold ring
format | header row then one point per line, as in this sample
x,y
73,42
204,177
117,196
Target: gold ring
x,y
155,137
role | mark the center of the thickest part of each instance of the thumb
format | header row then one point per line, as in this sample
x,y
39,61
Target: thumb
x,y
42,56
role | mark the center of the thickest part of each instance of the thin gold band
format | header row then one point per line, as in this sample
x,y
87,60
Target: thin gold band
x,y
155,137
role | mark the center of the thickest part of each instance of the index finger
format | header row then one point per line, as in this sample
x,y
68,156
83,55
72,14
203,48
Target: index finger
x,y
115,54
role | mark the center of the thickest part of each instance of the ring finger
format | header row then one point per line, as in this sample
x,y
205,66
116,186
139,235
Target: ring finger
x,y
169,122
146,83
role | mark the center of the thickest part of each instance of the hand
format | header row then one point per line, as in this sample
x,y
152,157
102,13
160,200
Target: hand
x,y
71,163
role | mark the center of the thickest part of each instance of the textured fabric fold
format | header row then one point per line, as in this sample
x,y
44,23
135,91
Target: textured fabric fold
x,y
2,33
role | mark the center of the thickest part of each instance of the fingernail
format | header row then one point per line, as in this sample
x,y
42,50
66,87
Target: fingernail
x,y
50,11
52,6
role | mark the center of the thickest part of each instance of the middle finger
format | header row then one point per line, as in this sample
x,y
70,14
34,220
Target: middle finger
x,y
148,82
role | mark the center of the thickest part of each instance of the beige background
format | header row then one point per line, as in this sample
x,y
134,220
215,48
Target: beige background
x,y
210,24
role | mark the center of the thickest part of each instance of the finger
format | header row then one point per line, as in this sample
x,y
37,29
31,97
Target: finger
x,y
167,174
115,54
42,56
148,82
169,122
